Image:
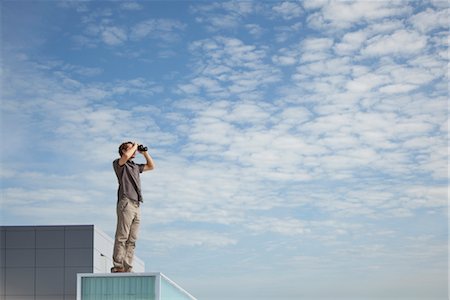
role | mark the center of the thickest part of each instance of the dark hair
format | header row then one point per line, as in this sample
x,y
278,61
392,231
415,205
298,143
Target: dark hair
x,y
123,147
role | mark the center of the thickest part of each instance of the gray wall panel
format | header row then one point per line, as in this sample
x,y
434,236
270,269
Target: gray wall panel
x,y
50,297
50,238
2,282
49,258
2,248
20,238
49,281
20,258
70,297
82,237
2,237
78,257
19,281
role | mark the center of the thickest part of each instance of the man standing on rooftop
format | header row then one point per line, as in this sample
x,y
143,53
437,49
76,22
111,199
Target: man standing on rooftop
x,y
129,199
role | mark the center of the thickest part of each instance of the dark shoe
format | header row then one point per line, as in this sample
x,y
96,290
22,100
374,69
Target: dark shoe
x,y
117,270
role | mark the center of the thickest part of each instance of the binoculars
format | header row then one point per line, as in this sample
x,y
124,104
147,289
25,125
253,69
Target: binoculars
x,y
142,148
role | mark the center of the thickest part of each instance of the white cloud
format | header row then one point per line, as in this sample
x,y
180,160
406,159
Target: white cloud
x,y
223,22
314,4
143,29
288,226
240,7
333,69
164,29
164,240
77,5
287,32
430,19
129,5
315,49
248,112
101,26
346,14
286,58
210,85
419,75
227,65
98,27
255,30
401,42
113,35
397,88
317,44
79,70
224,15
366,82
351,42
288,10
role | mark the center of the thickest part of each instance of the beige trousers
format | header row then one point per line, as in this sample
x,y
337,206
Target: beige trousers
x,y
128,220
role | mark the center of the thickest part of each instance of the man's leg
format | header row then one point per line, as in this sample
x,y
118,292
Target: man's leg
x,y
125,217
130,244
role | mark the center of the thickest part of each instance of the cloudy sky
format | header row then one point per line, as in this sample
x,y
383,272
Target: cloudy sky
x,y
300,147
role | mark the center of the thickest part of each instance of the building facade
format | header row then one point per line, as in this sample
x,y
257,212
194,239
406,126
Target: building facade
x,y
42,262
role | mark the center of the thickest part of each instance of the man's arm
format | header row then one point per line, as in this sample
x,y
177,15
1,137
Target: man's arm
x,y
150,165
127,154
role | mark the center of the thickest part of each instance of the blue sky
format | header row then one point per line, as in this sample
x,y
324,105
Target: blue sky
x,y
300,147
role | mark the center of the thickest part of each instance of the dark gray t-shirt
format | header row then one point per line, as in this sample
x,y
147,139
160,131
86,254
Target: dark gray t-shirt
x,y
128,176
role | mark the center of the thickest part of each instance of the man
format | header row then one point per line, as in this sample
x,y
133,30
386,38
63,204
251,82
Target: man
x,y
129,199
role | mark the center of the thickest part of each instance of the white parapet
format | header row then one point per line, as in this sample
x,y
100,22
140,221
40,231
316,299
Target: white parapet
x,y
129,286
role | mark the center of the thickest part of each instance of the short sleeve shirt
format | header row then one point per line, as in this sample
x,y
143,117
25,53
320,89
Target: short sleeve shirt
x,y
128,176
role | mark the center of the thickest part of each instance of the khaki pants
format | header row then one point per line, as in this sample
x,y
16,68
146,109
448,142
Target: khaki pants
x,y
128,219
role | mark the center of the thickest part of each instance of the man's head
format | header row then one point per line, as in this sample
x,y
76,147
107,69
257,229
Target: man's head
x,y
125,146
